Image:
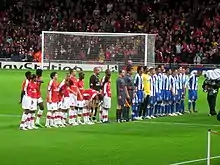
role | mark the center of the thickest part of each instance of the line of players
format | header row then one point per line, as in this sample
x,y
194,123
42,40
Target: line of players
x,y
68,103
155,92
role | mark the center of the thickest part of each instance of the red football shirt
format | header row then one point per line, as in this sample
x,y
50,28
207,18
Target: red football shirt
x,y
80,85
65,92
38,82
24,85
89,94
74,86
53,94
107,89
32,90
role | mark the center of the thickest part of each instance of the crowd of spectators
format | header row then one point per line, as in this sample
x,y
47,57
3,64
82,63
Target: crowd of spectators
x,y
187,31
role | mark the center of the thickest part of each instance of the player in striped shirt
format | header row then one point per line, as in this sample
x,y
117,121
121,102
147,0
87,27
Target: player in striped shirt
x,y
159,85
152,98
174,92
179,87
138,84
193,91
167,92
184,85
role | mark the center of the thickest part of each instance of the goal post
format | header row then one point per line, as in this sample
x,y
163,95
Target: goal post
x,y
90,46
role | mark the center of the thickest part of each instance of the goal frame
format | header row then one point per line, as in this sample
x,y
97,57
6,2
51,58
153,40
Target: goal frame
x,y
97,34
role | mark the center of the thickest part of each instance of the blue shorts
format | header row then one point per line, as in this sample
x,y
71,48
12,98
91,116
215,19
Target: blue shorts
x,y
180,94
192,95
174,98
134,107
159,96
167,95
140,96
152,100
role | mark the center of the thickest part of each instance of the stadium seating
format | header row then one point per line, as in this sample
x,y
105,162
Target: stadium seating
x,y
188,32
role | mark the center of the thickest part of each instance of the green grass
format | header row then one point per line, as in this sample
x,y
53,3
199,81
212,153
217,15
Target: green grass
x,y
154,142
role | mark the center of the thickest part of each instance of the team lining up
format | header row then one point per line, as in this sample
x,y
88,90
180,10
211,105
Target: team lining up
x,y
151,93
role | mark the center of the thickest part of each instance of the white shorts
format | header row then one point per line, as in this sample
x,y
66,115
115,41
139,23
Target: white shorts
x,y
39,100
60,105
106,102
80,104
26,102
73,100
65,103
33,104
52,106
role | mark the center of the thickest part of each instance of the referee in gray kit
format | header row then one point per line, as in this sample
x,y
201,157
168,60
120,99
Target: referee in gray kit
x,y
121,95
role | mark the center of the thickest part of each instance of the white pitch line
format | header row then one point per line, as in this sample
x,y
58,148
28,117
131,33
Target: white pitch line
x,y
183,124
194,161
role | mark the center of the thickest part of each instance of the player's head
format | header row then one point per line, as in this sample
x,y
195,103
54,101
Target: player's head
x,y
33,77
67,82
107,79
81,75
96,71
140,69
67,75
122,72
158,69
198,73
129,70
175,72
72,72
107,72
180,70
162,68
183,71
54,75
169,71
39,72
151,71
28,75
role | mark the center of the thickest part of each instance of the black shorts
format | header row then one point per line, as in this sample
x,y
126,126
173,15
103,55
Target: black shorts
x,y
121,101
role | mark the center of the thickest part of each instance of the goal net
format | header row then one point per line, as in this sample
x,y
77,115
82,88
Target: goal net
x,y
101,47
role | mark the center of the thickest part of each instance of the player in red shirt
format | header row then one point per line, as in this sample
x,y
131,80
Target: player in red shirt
x,y
65,93
52,101
80,101
39,81
32,95
107,98
24,101
73,97
88,96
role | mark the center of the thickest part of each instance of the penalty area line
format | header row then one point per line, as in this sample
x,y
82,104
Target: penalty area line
x,y
194,161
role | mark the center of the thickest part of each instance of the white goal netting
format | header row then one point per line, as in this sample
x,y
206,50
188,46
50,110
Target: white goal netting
x,y
84,46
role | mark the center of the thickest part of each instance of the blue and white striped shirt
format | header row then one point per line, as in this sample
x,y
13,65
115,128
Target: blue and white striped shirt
x,y
156,83
177,81
184,80
166,83
173,84
181,81
193,82
160,81
152,86
138,82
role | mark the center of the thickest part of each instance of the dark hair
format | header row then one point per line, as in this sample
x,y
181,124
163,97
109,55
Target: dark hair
x,y
139,68
108,72
53,74
33,76
120,71
39,72
71,70
81,74
27,74
129,68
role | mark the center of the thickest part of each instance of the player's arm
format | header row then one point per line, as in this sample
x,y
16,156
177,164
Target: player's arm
x,y
24,90
126,88
92,81
61,85
49,91
136,81
118,89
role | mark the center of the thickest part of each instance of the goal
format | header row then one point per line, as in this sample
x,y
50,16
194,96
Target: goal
x,y
87,46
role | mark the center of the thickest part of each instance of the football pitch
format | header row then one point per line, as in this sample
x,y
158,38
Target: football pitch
x,y
161,141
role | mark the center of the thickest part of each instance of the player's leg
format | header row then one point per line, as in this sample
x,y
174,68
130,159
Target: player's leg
x,y
33,110
106,106
190,98
40,111
120,105
26,108
194,101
